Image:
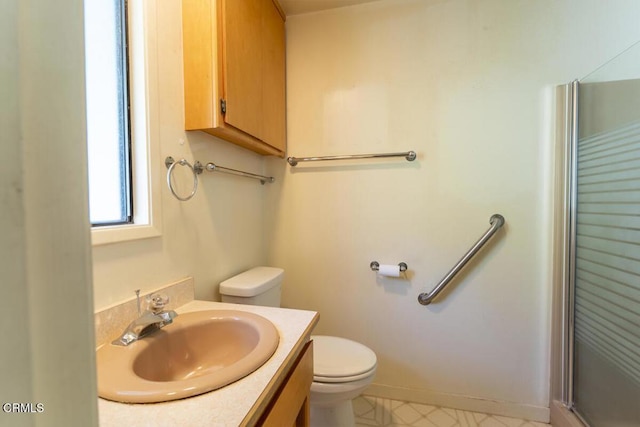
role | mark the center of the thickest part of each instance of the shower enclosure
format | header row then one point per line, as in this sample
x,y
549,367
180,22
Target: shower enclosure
x,y
600,366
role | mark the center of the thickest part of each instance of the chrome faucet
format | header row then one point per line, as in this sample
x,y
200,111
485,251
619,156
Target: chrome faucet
x,y
151,320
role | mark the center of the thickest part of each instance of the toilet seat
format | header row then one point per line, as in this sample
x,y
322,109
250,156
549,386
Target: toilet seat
x,y
321,379
340,360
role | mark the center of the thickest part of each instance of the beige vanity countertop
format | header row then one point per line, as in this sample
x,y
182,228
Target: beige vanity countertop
x,y
230,406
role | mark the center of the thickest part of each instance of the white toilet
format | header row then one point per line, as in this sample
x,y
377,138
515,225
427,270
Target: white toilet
x,y
342,368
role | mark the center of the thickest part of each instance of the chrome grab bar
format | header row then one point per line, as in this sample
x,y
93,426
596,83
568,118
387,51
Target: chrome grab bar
x,y
409,155
496,222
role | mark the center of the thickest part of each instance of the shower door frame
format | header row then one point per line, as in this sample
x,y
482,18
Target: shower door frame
x,y
571,215
561,399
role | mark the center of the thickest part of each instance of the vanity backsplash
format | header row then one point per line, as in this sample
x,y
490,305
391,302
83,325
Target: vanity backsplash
x,y
111,321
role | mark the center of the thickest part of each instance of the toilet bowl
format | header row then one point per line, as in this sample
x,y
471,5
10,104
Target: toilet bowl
x,y
342,368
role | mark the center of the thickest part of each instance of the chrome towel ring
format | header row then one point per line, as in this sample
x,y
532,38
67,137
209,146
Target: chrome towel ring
x,y
170,163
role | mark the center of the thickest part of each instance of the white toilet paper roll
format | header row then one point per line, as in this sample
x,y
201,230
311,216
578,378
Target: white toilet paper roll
x,y
389,270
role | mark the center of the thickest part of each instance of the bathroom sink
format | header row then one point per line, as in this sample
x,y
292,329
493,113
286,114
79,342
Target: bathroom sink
x,y
199,352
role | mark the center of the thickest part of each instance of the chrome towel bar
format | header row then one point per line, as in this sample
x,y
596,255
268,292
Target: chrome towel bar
x,y
197,169
409,155
496,222
211,167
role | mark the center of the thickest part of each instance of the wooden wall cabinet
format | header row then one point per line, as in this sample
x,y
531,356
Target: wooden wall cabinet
x,y
234,72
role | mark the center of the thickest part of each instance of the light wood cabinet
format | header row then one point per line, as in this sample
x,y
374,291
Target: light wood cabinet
x,y
290,406
234,72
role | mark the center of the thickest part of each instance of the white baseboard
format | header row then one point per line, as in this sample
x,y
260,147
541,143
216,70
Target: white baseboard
x,y
465,403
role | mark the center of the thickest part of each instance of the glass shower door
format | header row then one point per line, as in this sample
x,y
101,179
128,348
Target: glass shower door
x,y
606,346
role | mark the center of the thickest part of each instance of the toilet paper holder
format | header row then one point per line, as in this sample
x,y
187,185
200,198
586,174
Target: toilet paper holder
x,y
375,266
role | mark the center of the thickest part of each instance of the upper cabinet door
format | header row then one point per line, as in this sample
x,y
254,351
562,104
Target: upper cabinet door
x,y
273,77
234,62
243,59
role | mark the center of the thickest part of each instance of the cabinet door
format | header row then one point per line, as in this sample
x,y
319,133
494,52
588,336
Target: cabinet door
x,y
290,407
273,89
254,73
201,103
242,58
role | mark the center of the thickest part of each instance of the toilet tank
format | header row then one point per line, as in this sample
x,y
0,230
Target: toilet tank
x,y
258,286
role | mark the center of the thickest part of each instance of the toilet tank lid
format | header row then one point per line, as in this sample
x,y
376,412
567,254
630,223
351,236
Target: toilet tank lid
x,y
252,282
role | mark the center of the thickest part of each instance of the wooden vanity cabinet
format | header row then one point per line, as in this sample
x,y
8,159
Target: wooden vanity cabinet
x,y
234,72
290,405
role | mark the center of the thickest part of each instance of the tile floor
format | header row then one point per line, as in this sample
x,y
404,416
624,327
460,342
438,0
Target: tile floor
x,y
375,411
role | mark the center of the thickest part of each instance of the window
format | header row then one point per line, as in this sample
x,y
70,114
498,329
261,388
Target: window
x,y
122,120
108,136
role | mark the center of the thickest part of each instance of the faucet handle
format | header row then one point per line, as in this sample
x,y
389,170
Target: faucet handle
x,y
157,302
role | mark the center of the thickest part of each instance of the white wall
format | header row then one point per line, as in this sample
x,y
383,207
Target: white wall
x,y
15,366
469,85
46,304
466,84
211,237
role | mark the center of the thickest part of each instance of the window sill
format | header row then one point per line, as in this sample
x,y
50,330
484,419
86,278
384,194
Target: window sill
x,y
122,233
